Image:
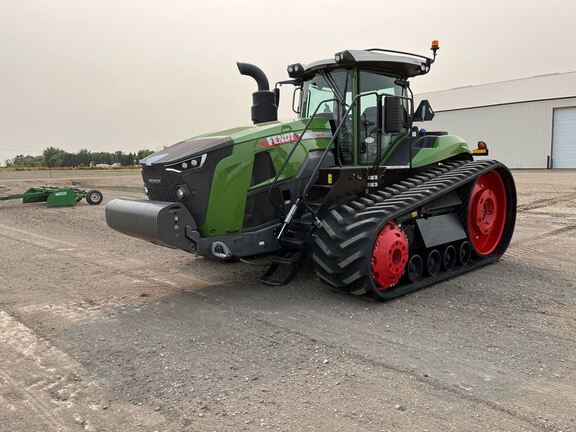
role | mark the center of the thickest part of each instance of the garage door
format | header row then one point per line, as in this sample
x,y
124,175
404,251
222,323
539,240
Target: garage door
x,y
564,143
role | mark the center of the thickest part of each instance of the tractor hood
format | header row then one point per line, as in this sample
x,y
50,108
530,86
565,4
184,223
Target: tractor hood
x,y
210,142
187,148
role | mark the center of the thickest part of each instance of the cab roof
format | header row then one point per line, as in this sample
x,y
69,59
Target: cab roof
x,y
396,62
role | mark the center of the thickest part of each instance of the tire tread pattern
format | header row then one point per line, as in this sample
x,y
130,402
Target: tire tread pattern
x,y
343,244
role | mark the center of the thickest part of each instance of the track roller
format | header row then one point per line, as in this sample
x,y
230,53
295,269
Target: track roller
x,y
449,257
415,269
433,262
464,253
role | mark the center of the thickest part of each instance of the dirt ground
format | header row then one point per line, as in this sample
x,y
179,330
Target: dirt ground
x,y
102,332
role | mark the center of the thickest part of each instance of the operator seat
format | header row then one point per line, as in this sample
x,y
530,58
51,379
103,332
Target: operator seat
x,y
368,123
369,128
344,148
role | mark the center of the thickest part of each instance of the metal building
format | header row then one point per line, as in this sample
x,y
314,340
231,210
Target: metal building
x,y
527,123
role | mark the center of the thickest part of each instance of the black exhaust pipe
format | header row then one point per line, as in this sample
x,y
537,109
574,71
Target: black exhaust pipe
x,y
264,108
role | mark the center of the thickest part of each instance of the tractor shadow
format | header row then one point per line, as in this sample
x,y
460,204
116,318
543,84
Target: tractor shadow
x,y
211,338
506,280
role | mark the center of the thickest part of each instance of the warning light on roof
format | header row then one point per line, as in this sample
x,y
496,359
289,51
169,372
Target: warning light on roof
x,y
435,47
481,145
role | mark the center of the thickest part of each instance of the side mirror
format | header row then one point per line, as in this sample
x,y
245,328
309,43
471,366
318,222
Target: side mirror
x,y
394,114
297,100
424,112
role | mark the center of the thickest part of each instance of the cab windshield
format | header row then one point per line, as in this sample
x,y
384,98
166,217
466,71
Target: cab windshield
x,y
330,91
324,86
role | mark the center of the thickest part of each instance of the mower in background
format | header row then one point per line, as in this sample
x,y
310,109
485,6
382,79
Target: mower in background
x,y
57,196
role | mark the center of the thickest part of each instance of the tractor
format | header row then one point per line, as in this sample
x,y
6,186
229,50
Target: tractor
x,y
382,206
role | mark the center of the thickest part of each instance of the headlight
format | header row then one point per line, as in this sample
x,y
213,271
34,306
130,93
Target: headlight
x,y
182,192
145,190
195,162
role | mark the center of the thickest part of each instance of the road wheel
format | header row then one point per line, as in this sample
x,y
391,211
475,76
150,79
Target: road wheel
x,y
433,262
464,253
449,258
94,197
415,269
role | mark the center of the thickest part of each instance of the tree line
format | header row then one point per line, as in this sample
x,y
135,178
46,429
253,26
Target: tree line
x,y
53,157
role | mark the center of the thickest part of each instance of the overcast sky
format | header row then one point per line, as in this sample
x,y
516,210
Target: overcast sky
x,y
131,74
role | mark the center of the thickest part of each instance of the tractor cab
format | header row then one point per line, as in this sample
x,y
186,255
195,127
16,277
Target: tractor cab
x,y
368,92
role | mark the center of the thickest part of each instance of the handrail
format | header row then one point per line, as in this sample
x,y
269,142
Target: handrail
x,y
293,150
336,132
379,155
302,196
304,193
307,126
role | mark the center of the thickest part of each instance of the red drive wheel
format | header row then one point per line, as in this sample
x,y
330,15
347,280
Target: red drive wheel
x,y
389,256
487,213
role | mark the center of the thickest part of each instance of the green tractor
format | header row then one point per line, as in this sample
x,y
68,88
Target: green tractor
x,y
382,206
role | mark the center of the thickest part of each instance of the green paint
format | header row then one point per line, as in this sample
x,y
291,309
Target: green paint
x,y
392,148
65,197
53,196
263,130
232,177
280,153
231,181
446,146
233,174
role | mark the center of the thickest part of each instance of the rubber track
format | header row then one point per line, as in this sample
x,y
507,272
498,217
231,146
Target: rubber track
x,y
343,244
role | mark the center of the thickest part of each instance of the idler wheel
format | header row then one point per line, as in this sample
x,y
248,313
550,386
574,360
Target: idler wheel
x,y
487,212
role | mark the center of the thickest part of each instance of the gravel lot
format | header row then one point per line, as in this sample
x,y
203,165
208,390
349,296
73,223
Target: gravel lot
x,y
103,332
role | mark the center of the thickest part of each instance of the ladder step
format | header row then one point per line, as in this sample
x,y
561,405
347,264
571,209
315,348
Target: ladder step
x,y
279,259
301,225
294,261
272,281
292,243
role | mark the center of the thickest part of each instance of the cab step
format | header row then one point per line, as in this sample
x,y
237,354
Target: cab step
x,y
290,262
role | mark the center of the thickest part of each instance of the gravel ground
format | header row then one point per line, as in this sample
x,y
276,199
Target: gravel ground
x,y
103,332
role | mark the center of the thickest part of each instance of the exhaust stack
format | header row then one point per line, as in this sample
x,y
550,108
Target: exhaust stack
x,y
264,108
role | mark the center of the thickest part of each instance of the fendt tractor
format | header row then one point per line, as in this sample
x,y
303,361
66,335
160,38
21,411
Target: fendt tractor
x,y
383,207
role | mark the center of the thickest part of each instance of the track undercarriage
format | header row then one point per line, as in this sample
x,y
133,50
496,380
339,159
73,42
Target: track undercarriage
x,y
432,226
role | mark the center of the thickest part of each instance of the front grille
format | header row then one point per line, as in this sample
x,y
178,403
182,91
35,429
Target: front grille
x,y
153,171
161,193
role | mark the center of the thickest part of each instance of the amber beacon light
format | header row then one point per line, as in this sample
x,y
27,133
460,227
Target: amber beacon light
x,y
435,47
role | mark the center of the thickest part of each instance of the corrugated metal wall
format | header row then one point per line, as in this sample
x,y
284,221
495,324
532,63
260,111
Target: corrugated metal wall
x,y
519,135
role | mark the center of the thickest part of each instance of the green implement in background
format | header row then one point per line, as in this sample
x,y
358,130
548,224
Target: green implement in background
x,y
57,197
